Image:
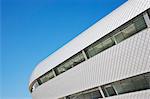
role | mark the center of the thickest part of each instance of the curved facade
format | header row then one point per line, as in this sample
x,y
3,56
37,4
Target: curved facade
x,y
111,60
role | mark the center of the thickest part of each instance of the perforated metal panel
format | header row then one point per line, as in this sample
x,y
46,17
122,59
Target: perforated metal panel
x,y
126,59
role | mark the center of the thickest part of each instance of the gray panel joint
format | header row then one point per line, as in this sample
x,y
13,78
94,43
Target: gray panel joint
x,y
83,52
146,18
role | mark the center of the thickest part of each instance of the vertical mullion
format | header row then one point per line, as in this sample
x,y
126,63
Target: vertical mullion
x,y
101,91
54,72
147,19
84,54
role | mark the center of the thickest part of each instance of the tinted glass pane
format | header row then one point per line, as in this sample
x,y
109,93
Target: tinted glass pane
x,y
139,23
137,83
86,95
140,83
77,59
147,77
129,30
108,90
90,51
124,86
98,47
46,77
68,64
96,94
60,69
108,43
92,95
73,61
119,37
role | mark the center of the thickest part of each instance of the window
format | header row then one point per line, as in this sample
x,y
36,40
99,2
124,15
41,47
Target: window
x,y
93,95
132,84
129,30
139,23
77,59
124,86
71,62
60,69
125,31
90,52
119,37
108,43
147,78
133,26
46,77
109,90
136,83
89,94
99,46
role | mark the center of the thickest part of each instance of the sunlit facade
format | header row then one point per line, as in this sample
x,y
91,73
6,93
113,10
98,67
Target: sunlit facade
x,y
111,60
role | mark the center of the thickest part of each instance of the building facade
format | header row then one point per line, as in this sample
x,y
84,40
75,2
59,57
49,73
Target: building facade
x,y
111,60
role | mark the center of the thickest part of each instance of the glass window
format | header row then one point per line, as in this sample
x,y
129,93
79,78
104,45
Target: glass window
x,y
109,90
90,52
135,25
93,95
124,86
99,46
136,83
73,61
46,77
60,69
77,59
119,37
140,83
129,30
147,77
108,43
139,23
68,64
90,94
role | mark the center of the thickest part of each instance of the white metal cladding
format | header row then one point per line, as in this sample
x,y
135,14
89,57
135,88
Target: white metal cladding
x,y
136,95
118,17
126,59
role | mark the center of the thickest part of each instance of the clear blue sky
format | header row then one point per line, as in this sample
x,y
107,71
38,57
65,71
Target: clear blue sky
x,y
33,29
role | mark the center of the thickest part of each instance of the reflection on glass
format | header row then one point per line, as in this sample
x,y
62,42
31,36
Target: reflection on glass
x,y
46,77
109,90
71,62
119,37
136,83
90,94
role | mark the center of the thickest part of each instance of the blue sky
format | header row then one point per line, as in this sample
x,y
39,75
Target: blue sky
x,y
33,29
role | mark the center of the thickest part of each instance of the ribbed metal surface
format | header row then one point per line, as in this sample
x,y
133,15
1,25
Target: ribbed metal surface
x,y
128,58
121,15
135,95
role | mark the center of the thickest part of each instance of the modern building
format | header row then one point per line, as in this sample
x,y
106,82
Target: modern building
x,y
109,60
